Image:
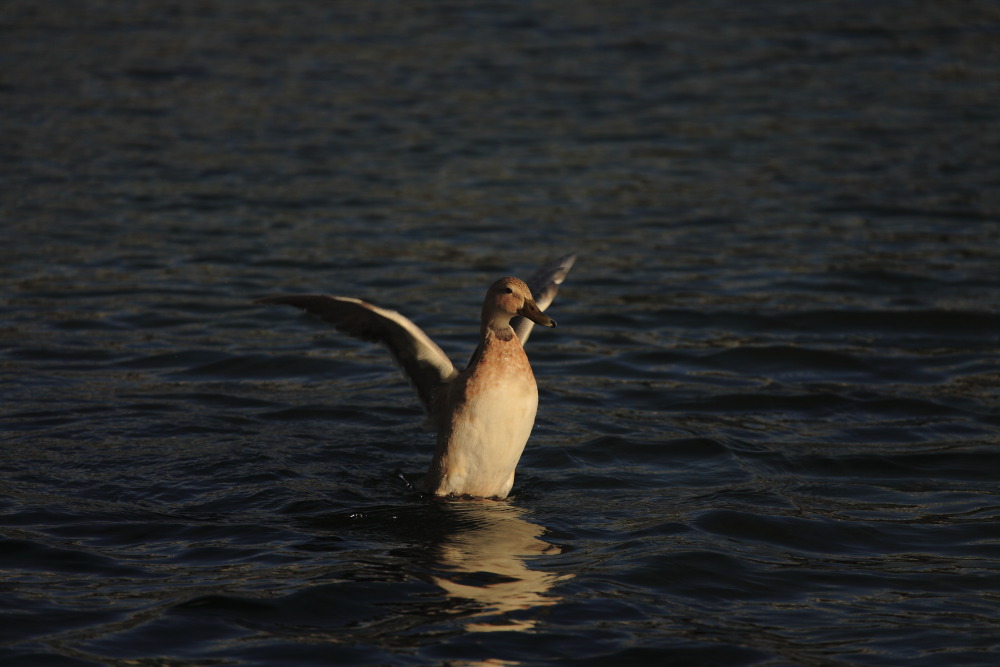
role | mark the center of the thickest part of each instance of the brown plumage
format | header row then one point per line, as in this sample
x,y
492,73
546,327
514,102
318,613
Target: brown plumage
x,y
483,414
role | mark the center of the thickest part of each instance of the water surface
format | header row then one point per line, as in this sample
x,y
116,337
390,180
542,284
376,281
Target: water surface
x,y
768,431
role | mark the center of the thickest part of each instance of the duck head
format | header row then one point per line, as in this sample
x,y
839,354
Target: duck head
x,y
510,297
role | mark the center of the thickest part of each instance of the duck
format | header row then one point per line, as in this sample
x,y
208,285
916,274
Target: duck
x,y
483,414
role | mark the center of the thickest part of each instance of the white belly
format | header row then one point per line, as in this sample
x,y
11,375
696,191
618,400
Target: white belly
x,y
479,450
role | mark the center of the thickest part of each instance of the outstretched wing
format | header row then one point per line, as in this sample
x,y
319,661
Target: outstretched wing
x,y
424,363
543,285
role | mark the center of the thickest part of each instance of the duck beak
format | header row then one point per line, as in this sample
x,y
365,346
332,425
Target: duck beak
x,y
532,312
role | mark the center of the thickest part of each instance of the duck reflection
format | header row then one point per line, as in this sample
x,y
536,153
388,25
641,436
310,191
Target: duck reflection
x,y
486,561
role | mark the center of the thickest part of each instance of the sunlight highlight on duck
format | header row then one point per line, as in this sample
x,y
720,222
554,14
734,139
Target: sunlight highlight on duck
x,y
484,413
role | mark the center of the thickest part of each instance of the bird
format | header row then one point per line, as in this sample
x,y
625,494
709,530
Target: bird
x,y
484,413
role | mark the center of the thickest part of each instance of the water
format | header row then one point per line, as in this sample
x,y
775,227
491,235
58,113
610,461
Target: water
x,y
768,431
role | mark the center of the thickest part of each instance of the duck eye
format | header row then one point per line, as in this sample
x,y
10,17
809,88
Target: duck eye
x,y
508,290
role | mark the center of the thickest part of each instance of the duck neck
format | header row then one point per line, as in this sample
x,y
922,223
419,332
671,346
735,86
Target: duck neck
x,y
495,323
496,329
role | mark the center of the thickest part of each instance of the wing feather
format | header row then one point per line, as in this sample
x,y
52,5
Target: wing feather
x,y
424,363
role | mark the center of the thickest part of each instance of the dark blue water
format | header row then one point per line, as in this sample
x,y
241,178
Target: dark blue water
x,y
769,430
